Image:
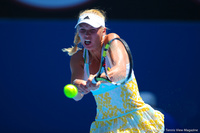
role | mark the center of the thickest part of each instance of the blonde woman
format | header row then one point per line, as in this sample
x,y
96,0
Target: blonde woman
x,y
121,109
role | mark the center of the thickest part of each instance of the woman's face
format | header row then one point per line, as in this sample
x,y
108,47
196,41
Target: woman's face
x,y
91,37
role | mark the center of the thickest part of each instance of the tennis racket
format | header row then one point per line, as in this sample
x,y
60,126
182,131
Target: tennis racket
x,y
118,54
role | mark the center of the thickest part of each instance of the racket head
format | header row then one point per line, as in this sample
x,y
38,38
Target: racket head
x,y
116,63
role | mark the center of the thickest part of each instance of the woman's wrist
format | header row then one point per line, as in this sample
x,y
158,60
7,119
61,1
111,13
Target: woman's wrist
x,y
74,82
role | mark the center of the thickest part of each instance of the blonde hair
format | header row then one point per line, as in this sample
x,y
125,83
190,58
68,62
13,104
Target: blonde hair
x,y
77,39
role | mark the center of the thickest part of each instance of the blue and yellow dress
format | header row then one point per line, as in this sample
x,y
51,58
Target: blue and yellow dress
x,y
120,109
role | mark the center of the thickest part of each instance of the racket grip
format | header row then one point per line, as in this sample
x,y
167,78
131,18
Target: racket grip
x,y
94,81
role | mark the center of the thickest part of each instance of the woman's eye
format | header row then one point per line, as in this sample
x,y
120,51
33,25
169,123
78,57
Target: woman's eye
x,y
93,30
82,30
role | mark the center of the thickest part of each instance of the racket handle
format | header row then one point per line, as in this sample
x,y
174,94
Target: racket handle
x,y
94,81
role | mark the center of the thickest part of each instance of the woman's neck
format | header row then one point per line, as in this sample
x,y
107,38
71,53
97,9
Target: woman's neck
x,y
96,54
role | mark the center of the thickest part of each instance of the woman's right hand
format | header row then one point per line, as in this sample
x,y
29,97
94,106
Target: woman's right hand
x,y
81,85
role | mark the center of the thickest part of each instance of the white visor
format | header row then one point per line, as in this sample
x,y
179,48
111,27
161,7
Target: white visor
x,y
91,19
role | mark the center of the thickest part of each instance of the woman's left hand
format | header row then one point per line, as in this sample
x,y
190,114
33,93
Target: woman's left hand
x,y
90,85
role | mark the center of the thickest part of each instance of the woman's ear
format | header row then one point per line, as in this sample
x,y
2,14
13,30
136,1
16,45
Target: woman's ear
x,y
104,30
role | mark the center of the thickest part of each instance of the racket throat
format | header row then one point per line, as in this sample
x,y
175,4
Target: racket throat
x,y
102,79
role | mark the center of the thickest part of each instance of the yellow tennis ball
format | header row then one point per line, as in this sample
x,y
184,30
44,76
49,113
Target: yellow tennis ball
x,y
70,90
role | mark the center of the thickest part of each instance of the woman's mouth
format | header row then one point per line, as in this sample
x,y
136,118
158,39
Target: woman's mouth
x,y
87,42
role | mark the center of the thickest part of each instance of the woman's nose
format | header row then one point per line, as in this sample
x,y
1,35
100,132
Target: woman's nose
x,y
87,33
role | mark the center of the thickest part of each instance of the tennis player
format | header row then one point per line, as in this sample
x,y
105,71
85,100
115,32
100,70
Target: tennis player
x,y
119,109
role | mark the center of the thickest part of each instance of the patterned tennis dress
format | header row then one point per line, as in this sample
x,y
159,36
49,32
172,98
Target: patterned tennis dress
x,y
120,109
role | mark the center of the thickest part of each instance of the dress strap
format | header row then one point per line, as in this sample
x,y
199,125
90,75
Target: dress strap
x,y
86,64
85,52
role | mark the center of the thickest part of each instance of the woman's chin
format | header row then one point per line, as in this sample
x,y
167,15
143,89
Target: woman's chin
x,y
89,46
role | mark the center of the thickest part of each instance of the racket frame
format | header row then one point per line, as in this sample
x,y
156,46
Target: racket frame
x,y
102,67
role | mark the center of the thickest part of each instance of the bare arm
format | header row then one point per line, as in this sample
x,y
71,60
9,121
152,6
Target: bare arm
x,y
118,57
77,73
119,60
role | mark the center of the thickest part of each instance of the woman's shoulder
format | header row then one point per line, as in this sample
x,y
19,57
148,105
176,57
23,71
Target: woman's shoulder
x,y
77,57
110,36
113,35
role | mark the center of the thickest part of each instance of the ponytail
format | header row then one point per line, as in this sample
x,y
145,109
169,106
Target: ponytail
x,y
74,49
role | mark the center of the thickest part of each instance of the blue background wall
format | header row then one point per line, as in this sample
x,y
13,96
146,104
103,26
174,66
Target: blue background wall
x,y
34,70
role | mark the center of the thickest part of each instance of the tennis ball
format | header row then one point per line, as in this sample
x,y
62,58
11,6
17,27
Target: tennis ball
x,y
70,90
